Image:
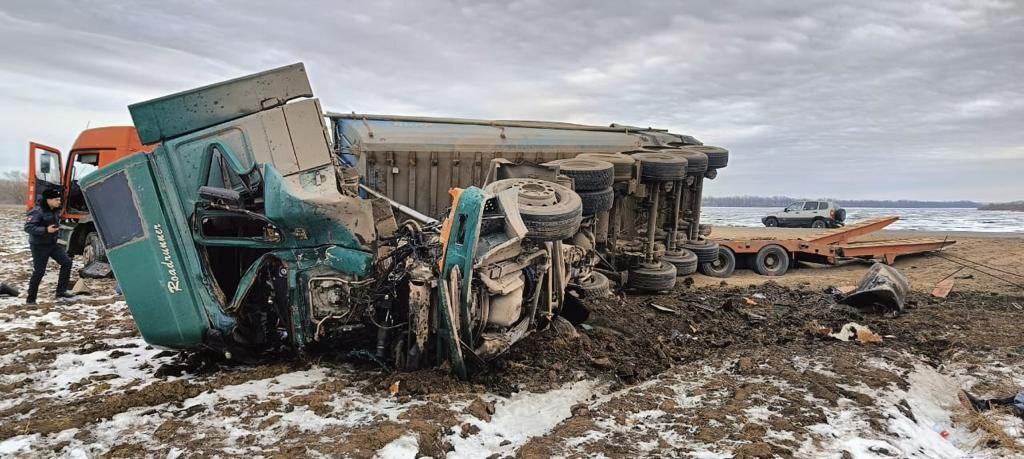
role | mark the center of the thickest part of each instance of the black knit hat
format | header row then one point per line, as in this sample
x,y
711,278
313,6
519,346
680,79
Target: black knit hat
x,y
51,193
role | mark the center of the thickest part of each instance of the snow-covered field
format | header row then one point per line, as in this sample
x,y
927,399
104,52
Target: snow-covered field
x,y
77,381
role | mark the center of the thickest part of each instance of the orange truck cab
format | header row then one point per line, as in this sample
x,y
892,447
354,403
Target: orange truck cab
x,y
93,149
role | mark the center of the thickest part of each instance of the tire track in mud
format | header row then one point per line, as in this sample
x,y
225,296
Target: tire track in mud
x,y
710,408
48,416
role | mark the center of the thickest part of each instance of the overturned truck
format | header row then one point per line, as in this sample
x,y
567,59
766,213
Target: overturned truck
x,y
246,233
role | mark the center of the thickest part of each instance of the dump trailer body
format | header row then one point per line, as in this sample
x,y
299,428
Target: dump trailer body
x,y
416,160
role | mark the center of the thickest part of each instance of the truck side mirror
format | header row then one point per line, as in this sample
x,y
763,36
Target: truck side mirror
x,y
44,166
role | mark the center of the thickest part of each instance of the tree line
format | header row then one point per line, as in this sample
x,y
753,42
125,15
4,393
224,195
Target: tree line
x,y
1016,206
782,201
13,186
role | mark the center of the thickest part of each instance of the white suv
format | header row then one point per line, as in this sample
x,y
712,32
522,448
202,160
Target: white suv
x,y
808,214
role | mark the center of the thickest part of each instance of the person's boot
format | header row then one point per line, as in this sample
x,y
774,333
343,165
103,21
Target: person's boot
x,y
30,302
65,295
972,403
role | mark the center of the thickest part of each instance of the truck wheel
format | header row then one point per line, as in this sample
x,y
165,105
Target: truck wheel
x,y
93,249
652,277
660,167
771,260
723,267
706,251
684,260
718,157
597,201
819,223
550,211
596,286
696,162
623,163
771,222
587,174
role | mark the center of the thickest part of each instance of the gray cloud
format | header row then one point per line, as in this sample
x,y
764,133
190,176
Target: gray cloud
x,y
868,100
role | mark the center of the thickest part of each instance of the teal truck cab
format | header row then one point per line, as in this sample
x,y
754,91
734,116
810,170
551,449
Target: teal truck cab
x,y
242,234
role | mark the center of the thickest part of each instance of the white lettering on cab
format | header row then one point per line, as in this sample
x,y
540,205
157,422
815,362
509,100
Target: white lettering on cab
x,y
174,284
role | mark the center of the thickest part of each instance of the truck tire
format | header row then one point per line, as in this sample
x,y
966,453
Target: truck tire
x,y
623,163
696,162
819,223
706,251
597,201
551,212
660,167
723,267
656,277
587,174
93,249
771,260
596,286
684,260
718,157
771,222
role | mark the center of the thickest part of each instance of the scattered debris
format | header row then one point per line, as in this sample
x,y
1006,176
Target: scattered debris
x,y
853,330
96,270
749,301
943,288
395,387
7,290
754,317
964,276
664,309
80,288
881,287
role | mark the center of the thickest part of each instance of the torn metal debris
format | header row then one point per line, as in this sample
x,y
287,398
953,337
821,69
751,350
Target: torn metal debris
x,y
882,287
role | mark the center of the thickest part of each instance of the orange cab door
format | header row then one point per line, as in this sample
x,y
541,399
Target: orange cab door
x,y
44,171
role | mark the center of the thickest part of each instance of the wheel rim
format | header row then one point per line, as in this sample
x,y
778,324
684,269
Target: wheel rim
x,y
772,222
535,194
771,261
88,254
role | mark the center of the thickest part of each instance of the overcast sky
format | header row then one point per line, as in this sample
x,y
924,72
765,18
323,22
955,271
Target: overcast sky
x,y
886,99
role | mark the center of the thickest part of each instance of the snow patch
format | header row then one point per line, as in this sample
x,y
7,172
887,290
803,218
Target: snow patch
x,y
518,418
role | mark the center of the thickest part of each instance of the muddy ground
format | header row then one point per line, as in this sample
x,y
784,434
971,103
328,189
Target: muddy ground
x,y
708,370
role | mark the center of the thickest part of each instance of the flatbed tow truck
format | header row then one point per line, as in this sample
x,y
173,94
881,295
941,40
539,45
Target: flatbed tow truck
x,y
771,256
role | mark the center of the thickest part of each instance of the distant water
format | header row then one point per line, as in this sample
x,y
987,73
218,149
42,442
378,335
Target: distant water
x,y
998,221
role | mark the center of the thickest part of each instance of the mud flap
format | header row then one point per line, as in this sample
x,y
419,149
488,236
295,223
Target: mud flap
x,y
883,288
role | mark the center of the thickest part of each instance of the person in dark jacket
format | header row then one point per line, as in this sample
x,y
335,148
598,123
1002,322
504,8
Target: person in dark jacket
x,y
42,226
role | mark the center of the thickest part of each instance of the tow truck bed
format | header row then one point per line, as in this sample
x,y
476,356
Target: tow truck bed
x,y
831,246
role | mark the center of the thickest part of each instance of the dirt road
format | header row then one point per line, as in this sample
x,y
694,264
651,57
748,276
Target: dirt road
x,y
704,371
